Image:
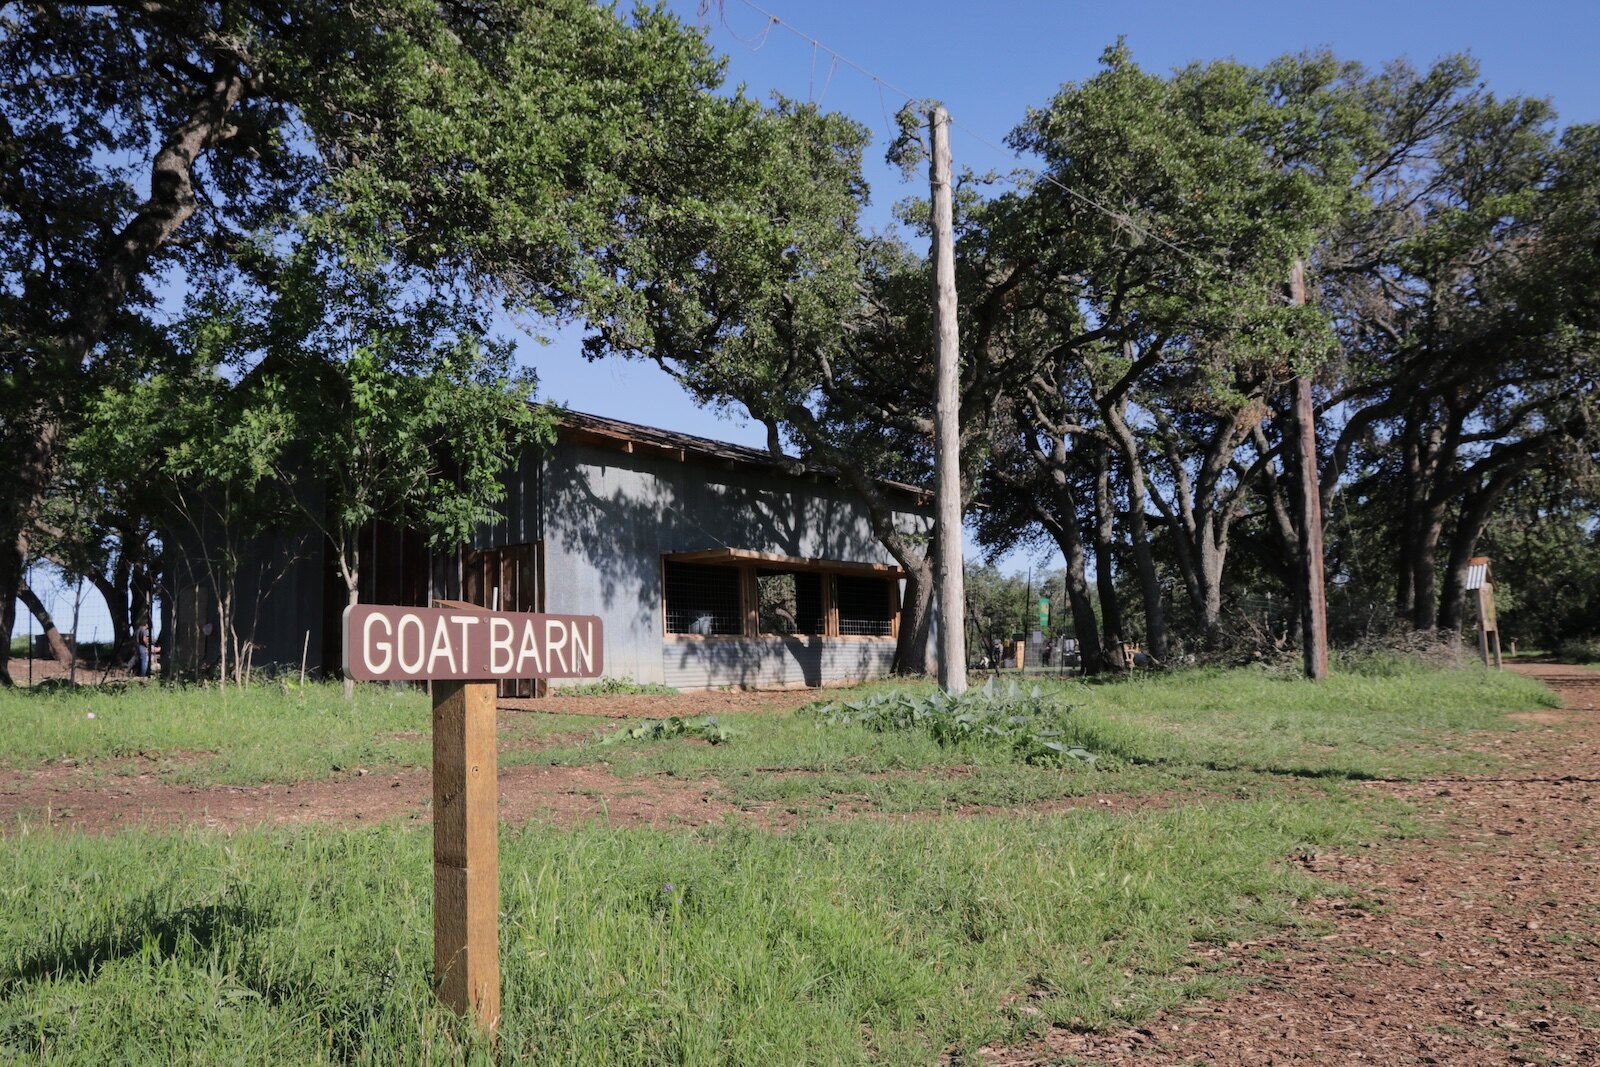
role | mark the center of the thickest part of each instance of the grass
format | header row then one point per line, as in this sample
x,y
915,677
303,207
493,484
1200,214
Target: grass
x,y
840,943
267,733
616,686
1209,730
893,941
1237,729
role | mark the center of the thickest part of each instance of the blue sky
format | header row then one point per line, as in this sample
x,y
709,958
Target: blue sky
x,y
989,62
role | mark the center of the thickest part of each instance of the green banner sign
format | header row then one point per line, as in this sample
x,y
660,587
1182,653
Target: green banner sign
x,y
1044,613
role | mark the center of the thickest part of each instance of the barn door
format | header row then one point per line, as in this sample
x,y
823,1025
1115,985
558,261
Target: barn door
x,y
509,578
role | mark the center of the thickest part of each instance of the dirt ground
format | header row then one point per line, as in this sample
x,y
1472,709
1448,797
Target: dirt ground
x,y
1479,944
1476,944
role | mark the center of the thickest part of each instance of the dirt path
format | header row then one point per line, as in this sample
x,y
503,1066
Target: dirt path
x,y
1478,945
65,798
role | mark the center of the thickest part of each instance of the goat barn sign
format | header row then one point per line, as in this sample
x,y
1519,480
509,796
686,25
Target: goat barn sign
x,y
463,650
390,644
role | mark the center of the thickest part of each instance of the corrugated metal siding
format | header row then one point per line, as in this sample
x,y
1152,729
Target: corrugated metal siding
x,y
1476,572
770,663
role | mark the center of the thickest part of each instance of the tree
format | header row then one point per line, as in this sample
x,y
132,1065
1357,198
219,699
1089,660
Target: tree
x,y
207,447
1156,248
759,292
1470,325
268,122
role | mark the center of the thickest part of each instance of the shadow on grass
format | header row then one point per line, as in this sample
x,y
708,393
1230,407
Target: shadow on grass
x,y
1092,737
346,1006
146,928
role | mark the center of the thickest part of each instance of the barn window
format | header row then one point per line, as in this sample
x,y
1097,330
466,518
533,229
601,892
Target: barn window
x,y
789,602
703,599
866,606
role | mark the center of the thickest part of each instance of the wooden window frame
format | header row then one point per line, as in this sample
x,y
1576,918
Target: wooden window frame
x,y
749,562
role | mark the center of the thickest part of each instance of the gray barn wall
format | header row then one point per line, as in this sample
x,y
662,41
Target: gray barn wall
x,y
278,589
606,518
609,517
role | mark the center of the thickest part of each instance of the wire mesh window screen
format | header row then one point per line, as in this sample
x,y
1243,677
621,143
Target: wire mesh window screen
x,y
703,599
790,601
864,606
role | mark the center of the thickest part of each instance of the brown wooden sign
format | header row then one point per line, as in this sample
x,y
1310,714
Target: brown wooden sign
x,y
387,643
463,650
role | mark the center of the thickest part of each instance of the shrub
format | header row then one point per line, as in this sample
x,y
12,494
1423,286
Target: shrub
x,y
706,729
616,687
1030,724
1579,650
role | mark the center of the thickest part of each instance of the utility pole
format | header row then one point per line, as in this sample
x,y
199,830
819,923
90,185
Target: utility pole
x,y
947,419
1314,598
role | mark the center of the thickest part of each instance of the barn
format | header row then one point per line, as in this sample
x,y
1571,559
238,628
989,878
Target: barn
x,y
710,564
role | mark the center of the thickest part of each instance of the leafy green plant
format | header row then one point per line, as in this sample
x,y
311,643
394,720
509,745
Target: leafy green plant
x,y
1031,724
616,687
706,729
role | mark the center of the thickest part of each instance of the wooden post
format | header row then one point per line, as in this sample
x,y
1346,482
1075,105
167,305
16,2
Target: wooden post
x,y
1489,623
947,415
466,860
1313,593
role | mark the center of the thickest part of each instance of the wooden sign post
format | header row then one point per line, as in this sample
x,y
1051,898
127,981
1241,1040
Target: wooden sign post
x,y
466,850
464,650
1480,577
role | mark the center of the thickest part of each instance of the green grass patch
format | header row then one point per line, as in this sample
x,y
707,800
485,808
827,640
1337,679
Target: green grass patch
x,y
1028,723
614,687
839,943
1237,731
265,733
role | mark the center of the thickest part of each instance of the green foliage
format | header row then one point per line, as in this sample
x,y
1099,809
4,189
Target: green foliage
x,y
615,687
1545,547
1030,725
674,726
372,188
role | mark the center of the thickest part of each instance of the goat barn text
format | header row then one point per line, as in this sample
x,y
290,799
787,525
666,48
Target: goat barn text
x,y
387,643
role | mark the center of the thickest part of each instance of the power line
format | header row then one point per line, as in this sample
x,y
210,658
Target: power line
x,y
1122,218
774,20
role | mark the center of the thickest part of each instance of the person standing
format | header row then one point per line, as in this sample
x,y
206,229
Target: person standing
x,y
141,649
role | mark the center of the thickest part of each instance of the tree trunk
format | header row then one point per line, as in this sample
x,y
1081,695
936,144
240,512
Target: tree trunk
x,y
916,617
1405,593
352,591
169,618
1209,575
1424,567
114,591
30,477
58,645
947,414
1061,519
1084,627
12,558
1155,614
141,595
1311,590
1104,541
